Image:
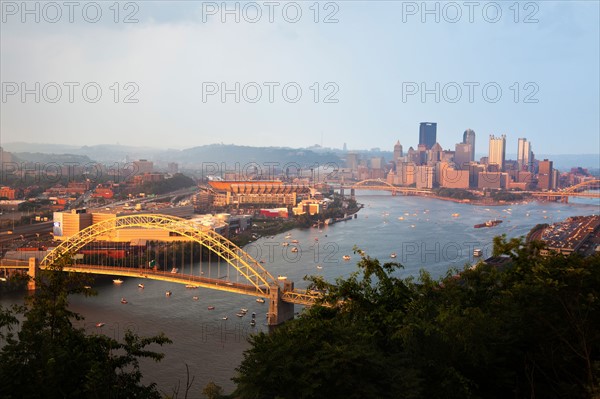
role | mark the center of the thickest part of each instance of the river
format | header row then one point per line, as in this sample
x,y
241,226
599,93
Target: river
x,y
424,233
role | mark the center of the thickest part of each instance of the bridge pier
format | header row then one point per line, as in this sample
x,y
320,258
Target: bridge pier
x,y
280,311
34,268
352,194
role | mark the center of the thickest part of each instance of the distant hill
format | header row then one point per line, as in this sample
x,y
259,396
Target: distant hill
x,y
229,153
190,158
262,155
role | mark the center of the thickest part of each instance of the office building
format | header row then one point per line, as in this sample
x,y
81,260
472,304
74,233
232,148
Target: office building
x,y
428,134
545,175
497,151
524,155
462,155
469,138
424,176
352,160
397,152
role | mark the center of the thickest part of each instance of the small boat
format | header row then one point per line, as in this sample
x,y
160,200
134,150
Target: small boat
x,y
260,300
100,324
346,257
316,239
295,249
240,314
477,252
224,318
319,267
174,270
123,301
195,298
262,261
288,236
401,218
211,308
253,315
191,286
455,215
252,322
280,277
87,287
393,255
243,310
141,285
285,244
168,293
294,241
118,281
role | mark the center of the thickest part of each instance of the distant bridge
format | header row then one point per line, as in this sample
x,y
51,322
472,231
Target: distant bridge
x,y
255,279
578,190
382,185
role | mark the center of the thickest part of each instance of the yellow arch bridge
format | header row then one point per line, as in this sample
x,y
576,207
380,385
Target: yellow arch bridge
x,y
578,190
255,279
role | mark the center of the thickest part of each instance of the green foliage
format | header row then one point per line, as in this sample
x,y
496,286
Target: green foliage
x,y
51,358
455,193
506,196
178,181
529,330
212,391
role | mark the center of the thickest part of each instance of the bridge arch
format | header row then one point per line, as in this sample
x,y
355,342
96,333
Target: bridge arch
x,y
247,266
588,183
365,183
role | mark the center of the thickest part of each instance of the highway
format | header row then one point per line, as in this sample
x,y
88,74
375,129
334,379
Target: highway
x,y
29,230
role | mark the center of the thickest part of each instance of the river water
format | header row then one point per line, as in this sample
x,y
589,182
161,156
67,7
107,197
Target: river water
x,y
424,233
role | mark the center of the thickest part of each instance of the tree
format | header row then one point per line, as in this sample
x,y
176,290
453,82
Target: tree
x,y
347,350
527,329
212,391
51,358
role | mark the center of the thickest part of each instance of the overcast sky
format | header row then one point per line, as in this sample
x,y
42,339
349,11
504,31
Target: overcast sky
x,y
361,75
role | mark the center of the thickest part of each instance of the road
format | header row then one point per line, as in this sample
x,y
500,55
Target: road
x,y
29,230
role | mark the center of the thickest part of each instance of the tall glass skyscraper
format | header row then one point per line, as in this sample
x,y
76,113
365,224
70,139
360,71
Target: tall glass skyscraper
x,y
524,154
469,138
497,151
427,134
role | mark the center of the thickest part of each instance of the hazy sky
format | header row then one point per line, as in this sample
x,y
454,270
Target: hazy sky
x,y
361,78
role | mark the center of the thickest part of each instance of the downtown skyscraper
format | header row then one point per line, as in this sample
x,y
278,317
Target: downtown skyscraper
x,y
497,151
524,155
428,134
469,138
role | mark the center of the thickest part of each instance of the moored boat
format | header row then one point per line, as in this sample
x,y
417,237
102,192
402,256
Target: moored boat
x,y
118,281
346,257
123,300
260,300
141,285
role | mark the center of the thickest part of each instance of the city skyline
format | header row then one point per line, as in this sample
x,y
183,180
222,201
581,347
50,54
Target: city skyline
x,y
362,61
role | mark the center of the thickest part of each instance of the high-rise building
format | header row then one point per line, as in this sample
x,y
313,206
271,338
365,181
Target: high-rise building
x,y
524,154
469,138
428,134
545,175
497,151
352,160
462,155
397,151
143,166
424,176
